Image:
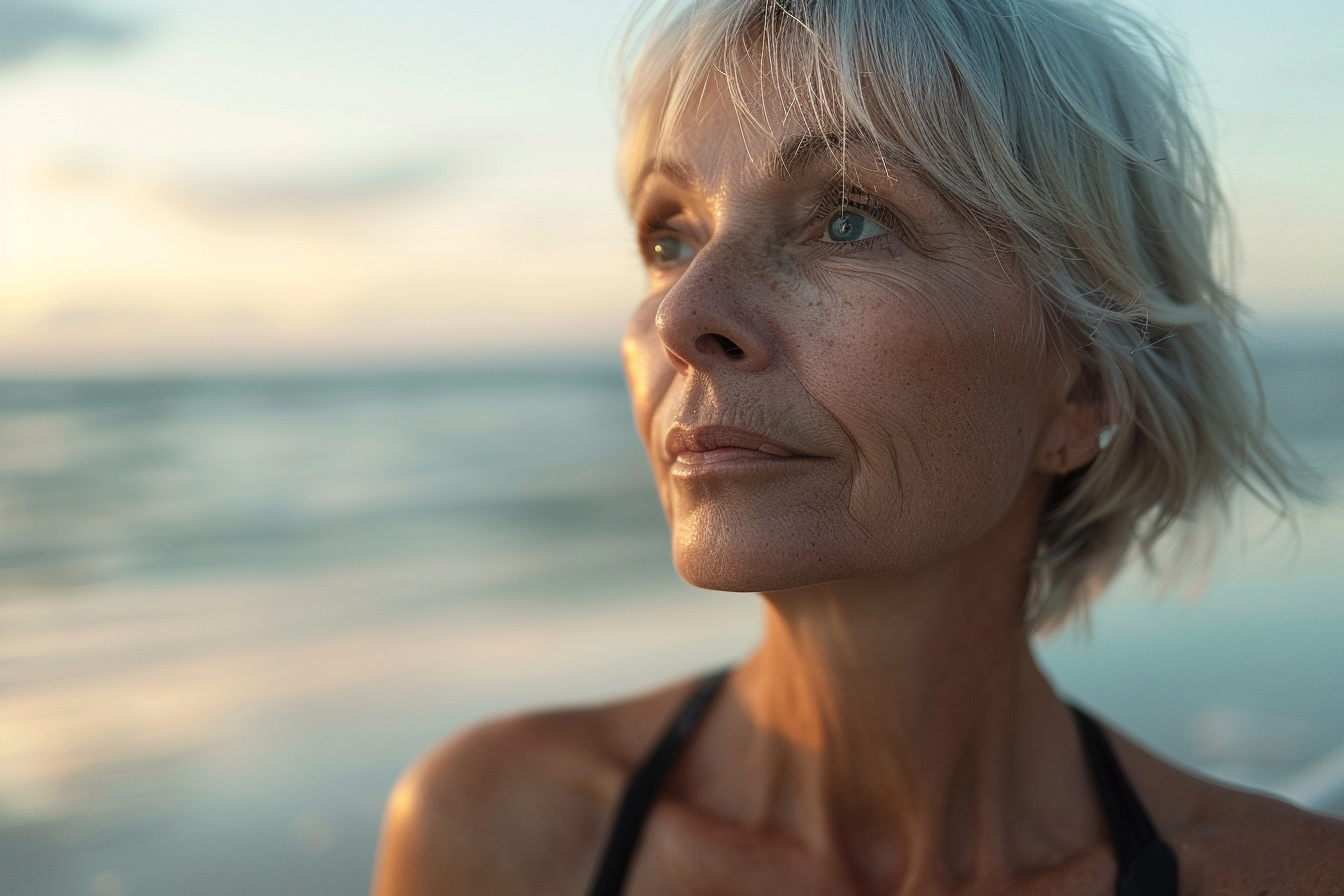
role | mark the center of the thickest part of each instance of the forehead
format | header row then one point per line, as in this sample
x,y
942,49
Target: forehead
x,y
771,134
718,159
705,155
718,127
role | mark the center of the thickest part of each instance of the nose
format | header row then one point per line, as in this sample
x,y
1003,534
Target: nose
x,y
710,318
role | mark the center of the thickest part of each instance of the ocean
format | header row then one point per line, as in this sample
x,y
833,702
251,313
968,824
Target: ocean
x,y
233,607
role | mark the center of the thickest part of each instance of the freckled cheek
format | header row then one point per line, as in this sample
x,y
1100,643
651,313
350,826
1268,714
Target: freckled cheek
x,y
932,384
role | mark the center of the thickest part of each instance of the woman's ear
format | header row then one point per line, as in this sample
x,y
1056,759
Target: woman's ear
x,y
1073,437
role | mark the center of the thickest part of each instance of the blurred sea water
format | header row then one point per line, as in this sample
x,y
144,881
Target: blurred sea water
x,y
233,607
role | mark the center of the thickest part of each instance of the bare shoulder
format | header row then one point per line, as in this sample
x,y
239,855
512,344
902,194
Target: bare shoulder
x,y
1235,842
516,805
1239,842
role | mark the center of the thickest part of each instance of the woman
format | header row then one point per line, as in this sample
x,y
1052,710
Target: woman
x,y
932,343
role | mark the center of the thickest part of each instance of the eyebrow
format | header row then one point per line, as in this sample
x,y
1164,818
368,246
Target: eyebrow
x,y
679,173
789,160
796,154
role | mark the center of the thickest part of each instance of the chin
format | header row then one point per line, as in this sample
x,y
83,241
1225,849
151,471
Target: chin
x,y
779,551
749,565
722,574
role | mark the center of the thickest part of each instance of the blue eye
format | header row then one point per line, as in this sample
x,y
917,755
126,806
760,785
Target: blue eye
x,y
848,226
669,249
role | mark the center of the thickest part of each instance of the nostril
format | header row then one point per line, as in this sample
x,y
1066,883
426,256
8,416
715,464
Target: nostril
x,y
710,343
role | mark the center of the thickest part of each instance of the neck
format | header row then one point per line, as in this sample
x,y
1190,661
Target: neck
x,y
907,726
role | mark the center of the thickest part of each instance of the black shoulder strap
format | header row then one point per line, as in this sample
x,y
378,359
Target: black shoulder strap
x,y
1147,866
642,790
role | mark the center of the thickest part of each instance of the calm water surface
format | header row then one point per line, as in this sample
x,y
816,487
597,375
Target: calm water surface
x,y
232,608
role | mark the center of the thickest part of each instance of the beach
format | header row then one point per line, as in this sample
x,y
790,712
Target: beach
x,y
235,606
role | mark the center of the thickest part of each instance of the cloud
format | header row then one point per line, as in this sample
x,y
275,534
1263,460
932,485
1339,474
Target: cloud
x,y
30,28
308,195
330,197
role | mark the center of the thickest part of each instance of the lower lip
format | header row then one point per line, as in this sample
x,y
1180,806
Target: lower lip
x,y
727,460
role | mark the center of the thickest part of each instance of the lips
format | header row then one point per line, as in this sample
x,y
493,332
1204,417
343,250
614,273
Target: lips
x,y
704,446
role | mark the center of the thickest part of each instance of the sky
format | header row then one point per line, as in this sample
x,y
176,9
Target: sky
x,y
189,183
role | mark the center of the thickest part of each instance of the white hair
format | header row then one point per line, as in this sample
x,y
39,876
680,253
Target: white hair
x,y
1063,129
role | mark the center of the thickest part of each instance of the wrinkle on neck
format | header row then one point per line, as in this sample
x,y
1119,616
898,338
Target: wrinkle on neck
x,y
909,730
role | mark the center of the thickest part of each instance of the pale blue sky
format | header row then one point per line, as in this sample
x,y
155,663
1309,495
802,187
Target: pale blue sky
x,y
261,181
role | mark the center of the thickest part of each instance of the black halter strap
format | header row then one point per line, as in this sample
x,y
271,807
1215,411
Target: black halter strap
x,y
1147,866
641,791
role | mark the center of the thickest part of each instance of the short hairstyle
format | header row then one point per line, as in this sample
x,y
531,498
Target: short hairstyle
x,y
1062,129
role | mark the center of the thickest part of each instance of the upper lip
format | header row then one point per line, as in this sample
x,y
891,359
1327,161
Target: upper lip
x,y
707,438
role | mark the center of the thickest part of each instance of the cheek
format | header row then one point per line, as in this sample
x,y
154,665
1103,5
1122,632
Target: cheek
x,y
940,397
648,373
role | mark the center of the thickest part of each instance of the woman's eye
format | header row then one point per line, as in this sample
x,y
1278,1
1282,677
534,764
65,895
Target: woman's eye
x,y
669,249
848,226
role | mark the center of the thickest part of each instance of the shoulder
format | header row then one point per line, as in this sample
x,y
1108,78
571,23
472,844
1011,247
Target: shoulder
x,y
516,805
1235,842
1239,842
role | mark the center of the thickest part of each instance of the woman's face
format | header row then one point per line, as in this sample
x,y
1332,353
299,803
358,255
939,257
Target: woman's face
x,y
832,381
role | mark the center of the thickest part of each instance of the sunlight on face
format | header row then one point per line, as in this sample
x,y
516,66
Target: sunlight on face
x,y
833,378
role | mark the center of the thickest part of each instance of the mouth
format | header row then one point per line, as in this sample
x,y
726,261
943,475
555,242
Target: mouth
x,y
708,449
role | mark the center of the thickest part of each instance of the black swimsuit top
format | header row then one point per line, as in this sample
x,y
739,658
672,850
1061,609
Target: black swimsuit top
x,y
1147,864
